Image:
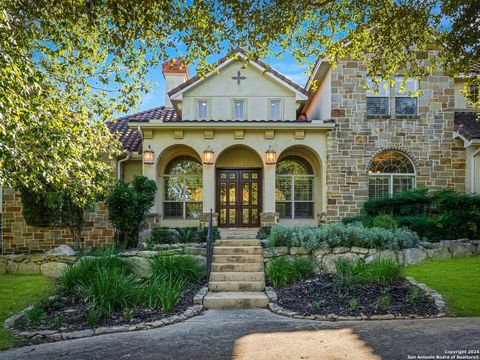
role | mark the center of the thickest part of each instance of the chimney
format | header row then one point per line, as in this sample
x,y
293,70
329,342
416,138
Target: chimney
x,y
175,73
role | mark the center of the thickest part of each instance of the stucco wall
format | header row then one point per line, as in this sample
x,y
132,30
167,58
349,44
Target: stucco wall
x,y
256,90
473,169
427,138
130,169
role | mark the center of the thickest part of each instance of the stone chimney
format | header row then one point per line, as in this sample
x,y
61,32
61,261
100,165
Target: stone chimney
x,y
175,73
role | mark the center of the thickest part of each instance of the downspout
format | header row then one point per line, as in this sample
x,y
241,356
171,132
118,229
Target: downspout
x,y
119,162
473,171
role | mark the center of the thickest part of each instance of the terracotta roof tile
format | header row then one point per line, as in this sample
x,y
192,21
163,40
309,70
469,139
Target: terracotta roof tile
x,y
466,124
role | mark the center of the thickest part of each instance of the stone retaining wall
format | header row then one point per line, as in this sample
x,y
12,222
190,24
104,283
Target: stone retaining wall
x,y
53,265
325,258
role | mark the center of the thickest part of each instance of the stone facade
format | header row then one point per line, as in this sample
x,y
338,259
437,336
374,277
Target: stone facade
x,y
427,139
20,238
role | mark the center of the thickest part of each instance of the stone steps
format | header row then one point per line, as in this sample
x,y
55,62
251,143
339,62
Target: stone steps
x,y
237,250
237,267
217,286
241,234
257,258
235,300
239,242
237,276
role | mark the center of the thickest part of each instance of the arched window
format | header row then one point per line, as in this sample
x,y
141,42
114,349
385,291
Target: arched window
x,y
294,188
390,172
183,188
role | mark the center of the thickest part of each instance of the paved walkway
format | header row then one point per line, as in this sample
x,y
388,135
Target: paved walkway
x,y
259,335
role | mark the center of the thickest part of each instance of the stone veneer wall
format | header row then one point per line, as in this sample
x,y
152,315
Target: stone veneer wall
x,y
20,238
439,159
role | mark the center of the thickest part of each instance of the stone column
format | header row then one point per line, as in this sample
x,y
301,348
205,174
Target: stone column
x,y
208,194
268,216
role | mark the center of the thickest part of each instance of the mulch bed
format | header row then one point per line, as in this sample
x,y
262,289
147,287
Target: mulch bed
x,y
74,312
320,296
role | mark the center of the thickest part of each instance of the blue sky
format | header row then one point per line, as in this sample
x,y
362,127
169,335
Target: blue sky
x,y
287,66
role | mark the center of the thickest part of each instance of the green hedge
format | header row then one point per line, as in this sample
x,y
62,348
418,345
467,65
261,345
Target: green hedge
x,y
439,215
166,235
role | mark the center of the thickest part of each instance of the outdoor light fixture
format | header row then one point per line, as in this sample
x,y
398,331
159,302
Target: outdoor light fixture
x,y
208,156
148,156
270,156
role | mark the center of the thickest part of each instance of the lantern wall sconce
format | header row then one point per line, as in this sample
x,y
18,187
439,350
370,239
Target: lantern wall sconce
x,y
270,156
148,156
208,156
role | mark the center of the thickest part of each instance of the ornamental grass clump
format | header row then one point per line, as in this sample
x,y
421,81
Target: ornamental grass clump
x,y
282,271
173,267
353,272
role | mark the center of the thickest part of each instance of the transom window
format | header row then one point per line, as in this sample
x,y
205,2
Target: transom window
x,y
275,109
183,188
390,172
294,188
202,109
238,109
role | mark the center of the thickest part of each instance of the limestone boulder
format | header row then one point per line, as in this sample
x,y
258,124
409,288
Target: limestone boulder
x,y
275,251
462,249
3,267
53,269
329,260
140,266
383,255
28,268
438,253
359,250
64,250
340,250
298,251
413,256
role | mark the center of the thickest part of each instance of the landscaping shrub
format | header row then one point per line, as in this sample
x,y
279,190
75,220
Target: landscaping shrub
x,y
128,205
201,235
282,271
164,235
263,232
360,219
338,234
187,235
173,267
384,221
352,272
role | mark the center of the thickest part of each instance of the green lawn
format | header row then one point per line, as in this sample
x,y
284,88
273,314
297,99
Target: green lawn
x,y
458,280
16,293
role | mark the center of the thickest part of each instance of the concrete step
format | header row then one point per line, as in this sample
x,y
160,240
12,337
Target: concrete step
x,y
235,300
238,236
237,258
237,267
239,242
238,276
237,250
217,286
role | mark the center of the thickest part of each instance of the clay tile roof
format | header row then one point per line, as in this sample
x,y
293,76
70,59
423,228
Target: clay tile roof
x,y
131,139
466,124
269,69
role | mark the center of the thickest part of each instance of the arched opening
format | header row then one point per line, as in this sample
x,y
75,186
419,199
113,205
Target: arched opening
x,y
390,172
239,156
294,188
181,184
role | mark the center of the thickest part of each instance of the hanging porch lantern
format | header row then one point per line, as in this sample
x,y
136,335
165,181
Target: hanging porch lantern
x,y
208,156
148,156
270,156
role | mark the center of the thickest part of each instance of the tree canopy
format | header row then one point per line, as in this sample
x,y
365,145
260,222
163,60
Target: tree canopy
x,y
67,66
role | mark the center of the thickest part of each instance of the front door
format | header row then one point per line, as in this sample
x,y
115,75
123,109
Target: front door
x,y
239,197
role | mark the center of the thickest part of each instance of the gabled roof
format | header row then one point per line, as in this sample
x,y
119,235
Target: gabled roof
x,y
466,124
224,60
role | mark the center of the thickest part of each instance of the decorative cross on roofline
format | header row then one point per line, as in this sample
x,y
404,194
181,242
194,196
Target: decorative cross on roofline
x,y
238,78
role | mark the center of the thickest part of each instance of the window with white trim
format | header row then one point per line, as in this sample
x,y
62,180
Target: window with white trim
x,y
390,172
183,188
238,109
202,109
378,98
275,109
294,188
406,102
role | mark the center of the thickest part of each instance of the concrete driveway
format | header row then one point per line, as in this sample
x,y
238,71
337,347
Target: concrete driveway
x,y
259,334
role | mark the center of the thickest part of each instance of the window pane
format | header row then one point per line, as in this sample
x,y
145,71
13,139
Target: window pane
x,y
391,161
238,109
173,209
303,209
184,165
202,109
405,106
283,188
402,183
294,165
275,109
378,186
174,188
379,90
377,106
284,209
194,209
303,188
194,188
410,85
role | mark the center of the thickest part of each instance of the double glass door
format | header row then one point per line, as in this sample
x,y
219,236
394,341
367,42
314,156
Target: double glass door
x,y
239,197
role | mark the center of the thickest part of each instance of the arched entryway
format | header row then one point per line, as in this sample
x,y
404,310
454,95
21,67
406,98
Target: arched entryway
x,y
238,185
